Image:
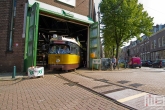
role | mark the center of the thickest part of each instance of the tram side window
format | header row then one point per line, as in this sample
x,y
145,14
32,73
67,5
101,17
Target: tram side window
x,y
74,49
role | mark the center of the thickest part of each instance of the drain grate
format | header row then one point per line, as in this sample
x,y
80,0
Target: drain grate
x,y
96,87
136,85
102,80
123,81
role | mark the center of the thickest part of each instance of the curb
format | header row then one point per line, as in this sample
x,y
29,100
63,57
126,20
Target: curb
x,y
10,79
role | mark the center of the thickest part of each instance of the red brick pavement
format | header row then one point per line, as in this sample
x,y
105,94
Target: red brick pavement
x,y
53,93
49,93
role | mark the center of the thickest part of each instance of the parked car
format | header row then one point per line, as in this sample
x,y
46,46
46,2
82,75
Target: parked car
x,y
159,63
143,63
135,62
147,63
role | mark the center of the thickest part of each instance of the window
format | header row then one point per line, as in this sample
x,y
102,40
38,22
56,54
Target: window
x,y
15,4
151,45
159,42
154,44
74,49
147,45
59,49
163,41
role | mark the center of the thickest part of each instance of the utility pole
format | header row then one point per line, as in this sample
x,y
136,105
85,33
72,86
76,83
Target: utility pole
x,y
99,31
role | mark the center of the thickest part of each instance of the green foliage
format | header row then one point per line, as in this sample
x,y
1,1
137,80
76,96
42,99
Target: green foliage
x,y
123,20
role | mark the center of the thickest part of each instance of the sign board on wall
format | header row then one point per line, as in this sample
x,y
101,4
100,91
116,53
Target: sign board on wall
x,y
69,2
96,61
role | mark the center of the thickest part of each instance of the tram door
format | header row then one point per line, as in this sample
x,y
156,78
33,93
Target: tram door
x,y
94,43
31,36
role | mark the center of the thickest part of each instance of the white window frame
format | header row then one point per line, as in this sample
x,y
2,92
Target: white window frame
x,y
154,44
159,43
163,41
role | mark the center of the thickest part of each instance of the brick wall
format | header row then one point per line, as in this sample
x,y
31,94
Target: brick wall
x,y
82,6
8,59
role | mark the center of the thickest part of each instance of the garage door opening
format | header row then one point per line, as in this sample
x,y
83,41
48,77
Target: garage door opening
x,y
49,26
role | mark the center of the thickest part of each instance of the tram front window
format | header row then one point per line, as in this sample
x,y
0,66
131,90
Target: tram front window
x,y
59,49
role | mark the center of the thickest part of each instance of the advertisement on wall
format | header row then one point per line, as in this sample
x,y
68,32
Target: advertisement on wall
x,y
69,2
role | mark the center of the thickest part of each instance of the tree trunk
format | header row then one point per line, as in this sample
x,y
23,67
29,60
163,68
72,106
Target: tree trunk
x,y
117,51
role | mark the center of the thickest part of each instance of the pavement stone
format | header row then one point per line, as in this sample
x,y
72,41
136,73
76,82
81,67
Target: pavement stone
x,y
53,93
48,93
151,82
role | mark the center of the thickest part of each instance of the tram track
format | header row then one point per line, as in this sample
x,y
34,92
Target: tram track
x,y
108,90
119,85
93,91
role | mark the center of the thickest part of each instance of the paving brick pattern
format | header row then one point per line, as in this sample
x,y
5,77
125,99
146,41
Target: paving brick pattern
x,y
53,93
102,87
50,93
90,83
152,80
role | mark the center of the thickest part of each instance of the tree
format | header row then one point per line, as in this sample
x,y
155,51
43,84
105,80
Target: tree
x,y
123,20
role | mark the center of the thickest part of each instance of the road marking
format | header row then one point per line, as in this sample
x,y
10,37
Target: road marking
x,y
132,97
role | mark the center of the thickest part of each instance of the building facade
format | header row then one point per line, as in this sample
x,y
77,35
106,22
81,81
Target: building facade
x,y
15,17
149,48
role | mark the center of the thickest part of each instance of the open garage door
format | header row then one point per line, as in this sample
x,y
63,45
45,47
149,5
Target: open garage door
x,y
31,36
43,24
50,25
94,43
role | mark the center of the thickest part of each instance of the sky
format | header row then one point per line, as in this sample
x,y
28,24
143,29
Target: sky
x,y
155,8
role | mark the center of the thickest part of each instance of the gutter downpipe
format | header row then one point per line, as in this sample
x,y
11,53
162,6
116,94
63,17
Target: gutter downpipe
x,y
11,28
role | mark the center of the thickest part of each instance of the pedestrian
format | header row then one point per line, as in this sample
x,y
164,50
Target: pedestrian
x,y
114,62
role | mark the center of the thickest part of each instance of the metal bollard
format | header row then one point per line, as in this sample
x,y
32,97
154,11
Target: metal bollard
x,y
14,72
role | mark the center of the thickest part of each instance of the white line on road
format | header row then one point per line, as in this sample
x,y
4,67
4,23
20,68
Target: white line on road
x,y
132,97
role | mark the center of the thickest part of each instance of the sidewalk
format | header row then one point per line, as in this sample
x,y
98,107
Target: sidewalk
x,y
8,76
49,93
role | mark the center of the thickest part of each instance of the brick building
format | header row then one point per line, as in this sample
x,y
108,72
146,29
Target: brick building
x,y
149,48
16,18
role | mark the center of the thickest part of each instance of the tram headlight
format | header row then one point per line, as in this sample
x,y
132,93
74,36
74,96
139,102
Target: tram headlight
x,y
57,60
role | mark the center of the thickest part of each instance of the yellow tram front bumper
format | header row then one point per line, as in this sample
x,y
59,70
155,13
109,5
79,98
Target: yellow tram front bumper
x,y
63,61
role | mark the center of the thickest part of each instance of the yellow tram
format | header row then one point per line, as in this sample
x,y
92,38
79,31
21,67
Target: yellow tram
x,y
64,53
